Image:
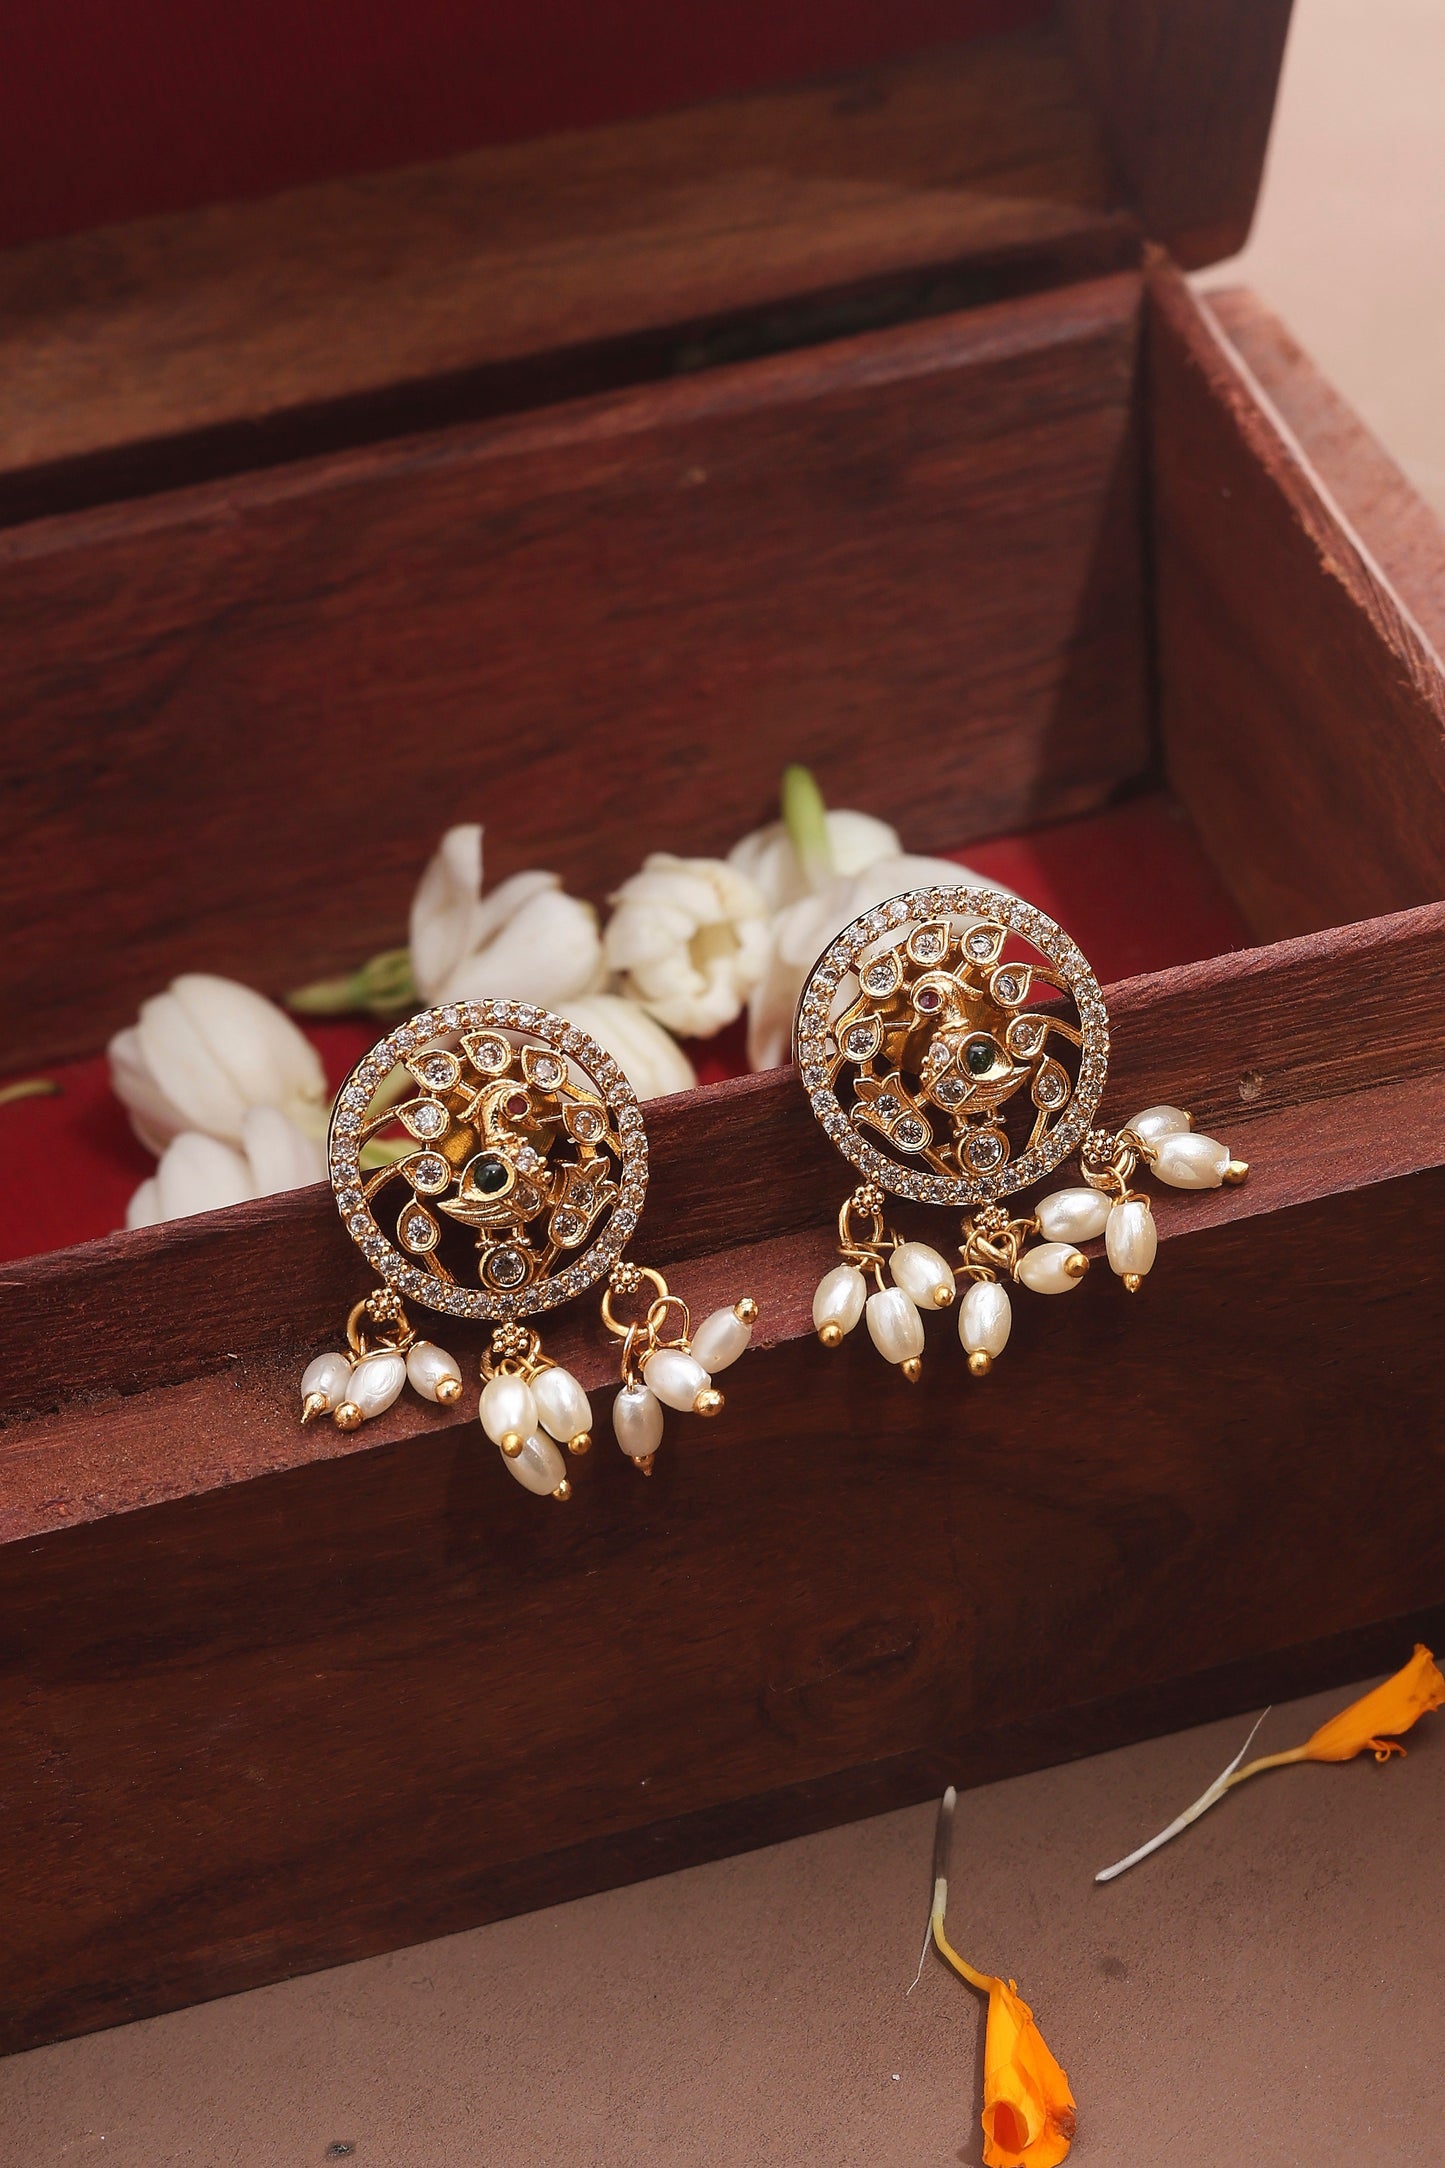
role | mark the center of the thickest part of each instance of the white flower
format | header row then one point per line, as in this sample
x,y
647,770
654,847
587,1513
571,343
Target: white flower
x,y
652,1062
804,929
770,859
204,1053
525,942
689,937
198,1173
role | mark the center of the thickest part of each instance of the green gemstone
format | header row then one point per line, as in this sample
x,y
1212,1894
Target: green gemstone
x,y
979,1057
491,1175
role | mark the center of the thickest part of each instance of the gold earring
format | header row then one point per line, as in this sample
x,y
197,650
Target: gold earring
x,y
953,1043
519,1156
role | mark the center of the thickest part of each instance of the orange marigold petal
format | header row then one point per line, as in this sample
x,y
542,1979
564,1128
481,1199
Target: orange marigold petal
x,y
1414,1690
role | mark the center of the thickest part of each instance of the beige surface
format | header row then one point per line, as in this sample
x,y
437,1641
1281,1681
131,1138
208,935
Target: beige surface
x,y
1270,1990
1349,244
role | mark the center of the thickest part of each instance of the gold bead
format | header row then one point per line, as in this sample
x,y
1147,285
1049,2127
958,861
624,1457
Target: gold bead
x,y
313,1405
831,1334
449,1392
708,1402
1235,1172
943,1295
980,1362
348,1416
512,1443
582,1443
1133,1281
912,1369
746,1311
1077,1265
563,1491
643,1463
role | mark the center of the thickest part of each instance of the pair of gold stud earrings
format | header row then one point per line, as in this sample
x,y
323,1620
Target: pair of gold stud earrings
x,y
490,1162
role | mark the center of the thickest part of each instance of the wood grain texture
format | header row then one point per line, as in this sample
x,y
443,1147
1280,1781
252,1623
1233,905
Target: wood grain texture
x,y
367,1700
273,694
1400,530
1186,89
1301,703
248,332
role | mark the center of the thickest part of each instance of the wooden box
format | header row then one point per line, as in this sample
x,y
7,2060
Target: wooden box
x,y
866,425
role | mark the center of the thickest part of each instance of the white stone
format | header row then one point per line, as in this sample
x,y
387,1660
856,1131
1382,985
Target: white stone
x,y
329,1375
720,1339
839,1298
677,1379
1157,1122
985,1317
637,1421
427,1365
1131,1237
507,1408
1190,1162
1072,1215
538,1467
922,1273
375,1382
1045,1268
894,1325
561,1403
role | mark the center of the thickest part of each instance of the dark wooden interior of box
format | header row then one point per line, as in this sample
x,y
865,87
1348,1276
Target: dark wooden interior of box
x,y
274,1698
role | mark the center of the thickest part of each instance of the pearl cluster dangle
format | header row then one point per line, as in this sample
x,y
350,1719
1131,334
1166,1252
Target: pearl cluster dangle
x,y
1037,1251
665,1363
531,1407
384,1354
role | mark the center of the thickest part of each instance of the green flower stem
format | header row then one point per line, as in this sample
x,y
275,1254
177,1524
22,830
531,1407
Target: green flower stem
x,y
28,1087
805,816
382,987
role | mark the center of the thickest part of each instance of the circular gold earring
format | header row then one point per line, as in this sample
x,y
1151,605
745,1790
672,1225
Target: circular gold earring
x,y
954,1043
489,1160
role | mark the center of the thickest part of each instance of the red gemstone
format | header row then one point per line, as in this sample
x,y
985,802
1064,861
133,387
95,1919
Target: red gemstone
x,y
928,997
519,1106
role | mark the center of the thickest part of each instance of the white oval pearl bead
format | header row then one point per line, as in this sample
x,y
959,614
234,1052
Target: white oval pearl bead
x,y
1131,1237
375,1382
1073,1215
923,1274
1157,1122
839,1299
538,1467
985,1318
677,1379
637,1421
1190,1162
426,1366
561,1403
329,1375
720,1339
894,1325
507,1408
1045,1268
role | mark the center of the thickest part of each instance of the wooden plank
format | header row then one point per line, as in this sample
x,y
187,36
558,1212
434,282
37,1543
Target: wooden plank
x,y
292,683
1302,705
1186,89
215,340
368,1700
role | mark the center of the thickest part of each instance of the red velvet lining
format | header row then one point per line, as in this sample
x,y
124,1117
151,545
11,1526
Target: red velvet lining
x,y
1133,887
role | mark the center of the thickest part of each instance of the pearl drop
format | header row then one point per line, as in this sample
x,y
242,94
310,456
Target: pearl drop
x,y
375,1383
1131,1238
1045,1268
637,1421
561,1403
507,1408
839,1299
677,1379
1073,1215
720,1339
922,1273
330,1375
894,1325
1157,1122
538,1467
426,1366
1190,1162
985,1317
